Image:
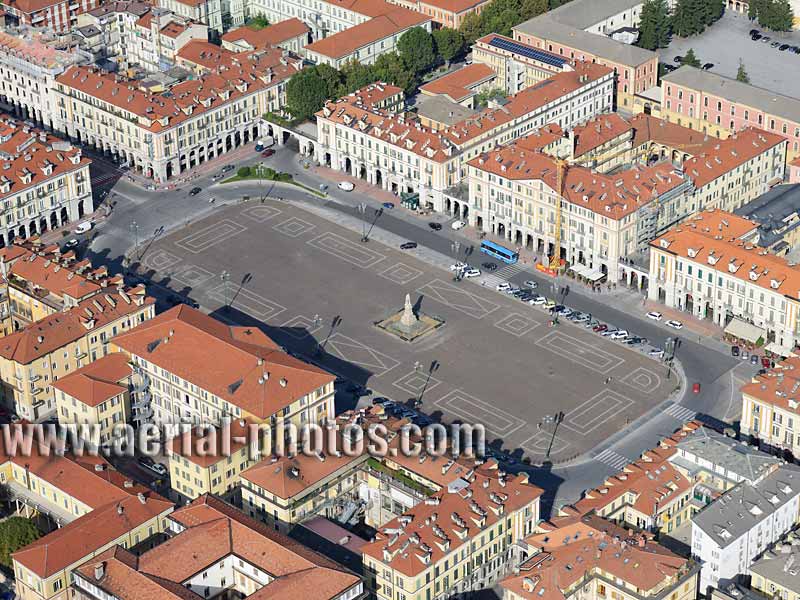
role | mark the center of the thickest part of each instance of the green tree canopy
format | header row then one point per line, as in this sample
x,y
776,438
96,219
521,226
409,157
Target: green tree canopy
x,y
332,78
655,25
533,8
389,67
306,93
415,47
356,76
449,43
15,533
690,59
741,74
258,22
688,18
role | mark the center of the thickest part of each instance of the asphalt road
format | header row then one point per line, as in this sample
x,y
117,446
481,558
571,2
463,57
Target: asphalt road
x,y
156,213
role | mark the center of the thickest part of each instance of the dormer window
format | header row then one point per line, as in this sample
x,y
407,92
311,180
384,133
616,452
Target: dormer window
x,y
692,252
664,243
712,259
754,275
732,267
774,284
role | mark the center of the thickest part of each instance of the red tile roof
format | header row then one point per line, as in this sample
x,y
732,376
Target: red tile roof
x,y
598,131
778,386
98,381
239,364
272,35
460,84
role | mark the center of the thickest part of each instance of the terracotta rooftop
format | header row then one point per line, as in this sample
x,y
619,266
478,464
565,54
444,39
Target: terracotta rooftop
x,y
454,6
721,241
390,23
448,520
51,273
647,128
227,80
460,84
42,337
598,131
723,156
443,144
30,157
239,364
578,549
613,196
272,35
778,386
215,530
84,536
98,381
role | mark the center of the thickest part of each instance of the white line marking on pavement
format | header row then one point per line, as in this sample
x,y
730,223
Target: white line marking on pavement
x,y
681,413
612,459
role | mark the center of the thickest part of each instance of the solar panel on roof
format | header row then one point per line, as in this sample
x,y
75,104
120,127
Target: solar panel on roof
x,y
527,51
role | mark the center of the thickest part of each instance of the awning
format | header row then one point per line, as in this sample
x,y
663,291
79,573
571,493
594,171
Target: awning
x,y
744,331
776,348
579,269
594,275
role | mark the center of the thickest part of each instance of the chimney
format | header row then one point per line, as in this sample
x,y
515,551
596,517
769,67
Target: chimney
x,y
99,571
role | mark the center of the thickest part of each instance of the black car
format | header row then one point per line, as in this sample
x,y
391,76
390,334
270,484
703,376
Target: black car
x,y
734,350
408,245
708,66
754,32
194,191
678,59
783,47
489,266
435,226
755,37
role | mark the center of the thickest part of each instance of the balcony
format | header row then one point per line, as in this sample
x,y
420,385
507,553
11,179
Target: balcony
x,y
140,382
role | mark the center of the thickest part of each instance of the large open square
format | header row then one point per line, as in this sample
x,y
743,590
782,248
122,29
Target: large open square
x,y
310,282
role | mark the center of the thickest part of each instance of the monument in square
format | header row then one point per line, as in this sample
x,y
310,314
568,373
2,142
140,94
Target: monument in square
x,y
408,325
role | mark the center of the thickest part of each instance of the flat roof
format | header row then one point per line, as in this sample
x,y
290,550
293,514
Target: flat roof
x,y
736,91
443,110
546,27
588,13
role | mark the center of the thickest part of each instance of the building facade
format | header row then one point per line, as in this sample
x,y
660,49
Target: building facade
x,y
59,16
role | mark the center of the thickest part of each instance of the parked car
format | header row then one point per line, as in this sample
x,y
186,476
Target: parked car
x,y
765,362
783,47
530,283
227,168
155,467
549,304
472,272
764,39
435,226
388,205
754,359
755,37
754,31
458,266
674,324
267,153
503,286
775,44
734,350
619,334
656,353
382,400
696,388
583,318
745,355
678,59
346,186
656,316
489,266
708,66
83,227
195,190
537,300
600,328
71,243
408,245
456,225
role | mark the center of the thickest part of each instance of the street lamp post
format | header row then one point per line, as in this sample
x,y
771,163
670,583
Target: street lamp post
x,y
556,420
455,247
362,210
135,230
225,277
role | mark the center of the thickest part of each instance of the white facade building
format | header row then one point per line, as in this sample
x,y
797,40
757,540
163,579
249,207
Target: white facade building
x,y
731,532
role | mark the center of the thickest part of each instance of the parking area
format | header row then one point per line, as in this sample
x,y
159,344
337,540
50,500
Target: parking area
x,y
728,41
315,288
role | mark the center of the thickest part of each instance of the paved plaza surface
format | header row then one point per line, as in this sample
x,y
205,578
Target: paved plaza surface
x,y
728,41
500,362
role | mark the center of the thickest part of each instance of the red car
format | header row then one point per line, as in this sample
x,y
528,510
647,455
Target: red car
x,y
696,388
765,362
268,152
600,328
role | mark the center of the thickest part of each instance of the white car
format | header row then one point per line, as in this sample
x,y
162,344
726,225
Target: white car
x,y
674,324
83,227
503,286
473,272
656,316
456,225
346,186
458,266
537,300
656,353
619,334
71,243
530,283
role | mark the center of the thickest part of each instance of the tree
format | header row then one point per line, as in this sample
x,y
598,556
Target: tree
x,y
15,533
306,93
655,25
714,10
258,22
332,78
416,49
482,99
741,74
389,67
776,15
449,43
688,18
533,8
471,27
243,172
356,76
690,59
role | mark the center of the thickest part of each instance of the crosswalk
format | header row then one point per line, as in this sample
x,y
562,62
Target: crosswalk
x,y
612,459
509,271
681,413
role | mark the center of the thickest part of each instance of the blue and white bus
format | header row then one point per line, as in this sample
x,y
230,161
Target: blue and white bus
x,y
499,252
